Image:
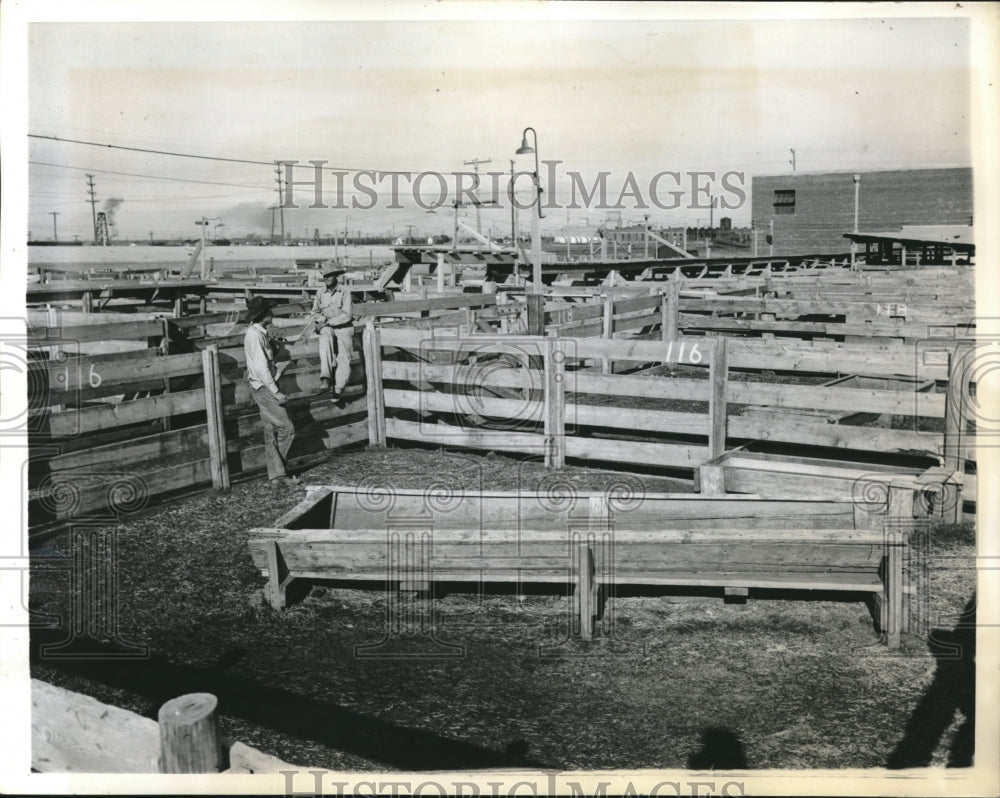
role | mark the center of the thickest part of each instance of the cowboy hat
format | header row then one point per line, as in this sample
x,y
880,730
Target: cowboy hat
x,y
258,307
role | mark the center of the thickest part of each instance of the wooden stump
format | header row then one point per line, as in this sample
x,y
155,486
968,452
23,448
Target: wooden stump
x,y
189,735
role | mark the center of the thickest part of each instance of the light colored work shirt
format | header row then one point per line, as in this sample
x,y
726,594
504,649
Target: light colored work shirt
x,y
334,307
260,358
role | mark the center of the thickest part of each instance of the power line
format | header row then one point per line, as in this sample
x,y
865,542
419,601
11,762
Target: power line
x,y
178,154
150,177
155,152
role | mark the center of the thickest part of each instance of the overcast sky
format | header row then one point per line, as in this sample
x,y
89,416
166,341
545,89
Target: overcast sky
x,y
639,97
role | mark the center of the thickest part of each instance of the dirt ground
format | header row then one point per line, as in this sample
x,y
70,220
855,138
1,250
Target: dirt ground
x,y
494,680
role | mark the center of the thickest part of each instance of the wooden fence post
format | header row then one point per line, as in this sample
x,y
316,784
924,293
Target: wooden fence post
x,y
189,735
607,328
214,418
955,433
536,313
165,350
555,405
585,589
718,376
372,345
668,312
899,526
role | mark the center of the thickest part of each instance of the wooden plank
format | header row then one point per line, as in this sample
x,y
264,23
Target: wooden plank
x,y
72,422
669,312
400,306
834,435
718,377
135,449
133,484
683,351
450,435
653,386
246,759
278,576
585,589
89,377
554,406
855,583
638,419
86,333
637,452
373,379
875,360
830,398
955,422
74,733
723,529
218,461
712,480
524,410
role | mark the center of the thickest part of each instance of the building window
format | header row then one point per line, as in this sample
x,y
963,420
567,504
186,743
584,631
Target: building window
x,y
784,201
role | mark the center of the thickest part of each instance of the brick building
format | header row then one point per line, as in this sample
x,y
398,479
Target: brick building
x,y
811,212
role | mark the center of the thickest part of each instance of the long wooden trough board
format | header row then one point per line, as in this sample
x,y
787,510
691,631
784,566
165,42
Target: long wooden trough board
x,y
792,559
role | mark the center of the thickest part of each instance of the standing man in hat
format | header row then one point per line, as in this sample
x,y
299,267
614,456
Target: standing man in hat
x,y
279,432
332,310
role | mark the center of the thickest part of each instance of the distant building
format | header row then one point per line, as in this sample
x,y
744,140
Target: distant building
x,y
725,223
811,212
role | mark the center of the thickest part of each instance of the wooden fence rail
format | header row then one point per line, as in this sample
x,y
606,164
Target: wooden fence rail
x,y
544,395
157,424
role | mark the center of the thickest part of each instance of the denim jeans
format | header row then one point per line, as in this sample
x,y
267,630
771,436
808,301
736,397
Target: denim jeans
x,y
336,346
279,432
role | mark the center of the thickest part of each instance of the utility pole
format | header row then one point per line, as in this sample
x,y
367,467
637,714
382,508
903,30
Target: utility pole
x,y
204,227
792,162
475,164
55,231
93,203
273,208
281,200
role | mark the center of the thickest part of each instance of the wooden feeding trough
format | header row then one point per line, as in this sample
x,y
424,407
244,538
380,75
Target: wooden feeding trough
x,y
936,492
737,546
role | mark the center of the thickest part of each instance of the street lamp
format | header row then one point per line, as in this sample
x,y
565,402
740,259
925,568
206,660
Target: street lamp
x,y
536,235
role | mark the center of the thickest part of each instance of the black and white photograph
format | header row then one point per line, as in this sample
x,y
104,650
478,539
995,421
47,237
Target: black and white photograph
x,y
523,398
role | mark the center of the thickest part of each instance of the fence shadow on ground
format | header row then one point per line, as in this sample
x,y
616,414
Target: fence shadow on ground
x,y
156,681
952,689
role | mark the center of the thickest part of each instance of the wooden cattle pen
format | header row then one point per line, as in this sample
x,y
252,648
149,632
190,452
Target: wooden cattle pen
x,y
800,383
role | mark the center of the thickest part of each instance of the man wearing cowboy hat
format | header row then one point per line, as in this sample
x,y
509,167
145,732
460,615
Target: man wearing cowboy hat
x,y
279,432
332,310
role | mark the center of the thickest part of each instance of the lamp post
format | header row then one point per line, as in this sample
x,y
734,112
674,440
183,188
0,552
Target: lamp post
x,y
536,235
